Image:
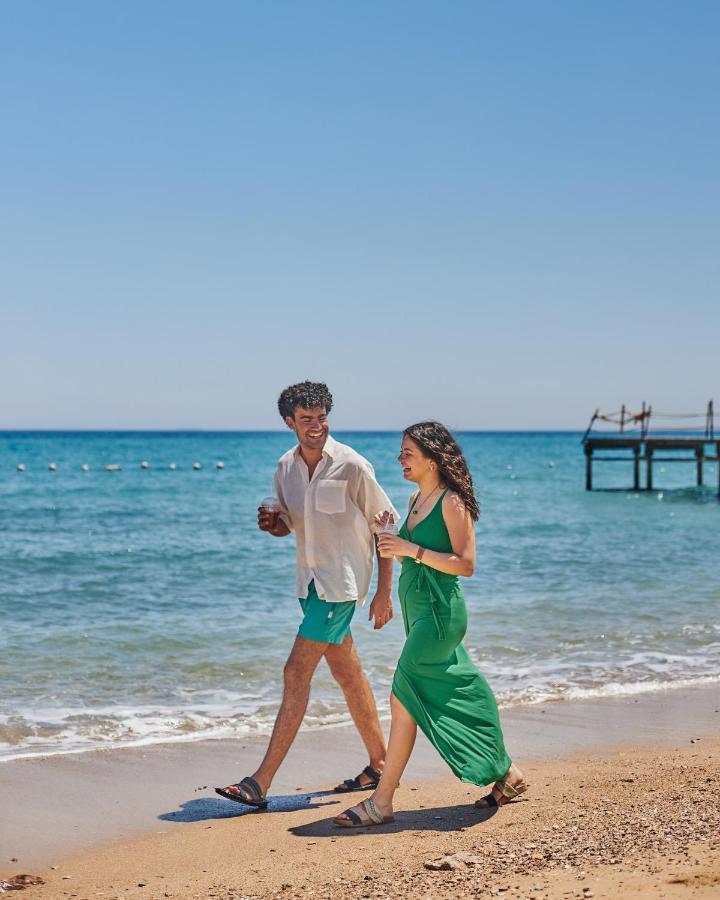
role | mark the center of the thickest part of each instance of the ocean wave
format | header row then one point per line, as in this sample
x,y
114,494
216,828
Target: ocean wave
x,y
611,689
64,732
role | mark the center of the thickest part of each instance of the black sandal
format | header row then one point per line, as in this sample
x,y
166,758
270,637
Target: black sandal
x,y
251,794
350,785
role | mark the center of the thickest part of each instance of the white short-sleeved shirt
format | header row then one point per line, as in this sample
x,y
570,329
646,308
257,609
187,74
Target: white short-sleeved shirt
x,y
332,517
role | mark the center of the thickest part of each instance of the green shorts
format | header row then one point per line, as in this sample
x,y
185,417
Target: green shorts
x,y
323,621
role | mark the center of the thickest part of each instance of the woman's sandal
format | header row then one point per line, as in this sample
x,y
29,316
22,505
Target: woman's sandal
x,y
353,820
508,792
250,793
350,785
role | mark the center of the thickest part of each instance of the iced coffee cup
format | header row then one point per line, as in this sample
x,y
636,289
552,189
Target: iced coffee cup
x,y
271,507
388,527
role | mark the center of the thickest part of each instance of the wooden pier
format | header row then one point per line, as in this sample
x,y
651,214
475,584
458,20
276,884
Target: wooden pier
x,y
643,445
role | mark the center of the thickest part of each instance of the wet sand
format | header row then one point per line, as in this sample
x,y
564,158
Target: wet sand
x,y
625,800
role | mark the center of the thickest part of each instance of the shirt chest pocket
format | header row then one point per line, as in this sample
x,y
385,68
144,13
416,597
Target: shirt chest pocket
x,y
330,496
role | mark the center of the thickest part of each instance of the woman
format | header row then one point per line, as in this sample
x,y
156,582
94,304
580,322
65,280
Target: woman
x,y
436,686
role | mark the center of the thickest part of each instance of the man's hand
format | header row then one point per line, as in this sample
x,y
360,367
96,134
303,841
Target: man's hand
x,y
271,522
381,610
381,519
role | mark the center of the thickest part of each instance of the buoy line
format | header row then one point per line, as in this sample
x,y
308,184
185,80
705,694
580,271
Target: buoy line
x,y
117,467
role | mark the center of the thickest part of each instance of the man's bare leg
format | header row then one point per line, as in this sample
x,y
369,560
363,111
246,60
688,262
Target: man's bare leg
x,y
345,666
298,672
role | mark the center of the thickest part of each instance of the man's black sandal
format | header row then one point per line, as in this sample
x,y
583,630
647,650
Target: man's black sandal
x,y
250,793
350,785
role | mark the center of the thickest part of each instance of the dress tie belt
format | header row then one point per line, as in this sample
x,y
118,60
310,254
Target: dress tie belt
x,y
425,581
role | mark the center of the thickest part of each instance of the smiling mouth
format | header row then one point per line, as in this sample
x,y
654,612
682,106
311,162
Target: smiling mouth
x,y
315,434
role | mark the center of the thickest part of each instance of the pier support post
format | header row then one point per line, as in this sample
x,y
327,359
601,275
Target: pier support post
x,y
699,458
636,468
588,468
648,456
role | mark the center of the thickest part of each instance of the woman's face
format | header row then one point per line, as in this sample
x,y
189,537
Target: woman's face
x,y
415,465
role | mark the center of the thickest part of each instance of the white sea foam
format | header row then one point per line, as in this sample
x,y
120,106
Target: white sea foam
x,y
611,689
147,726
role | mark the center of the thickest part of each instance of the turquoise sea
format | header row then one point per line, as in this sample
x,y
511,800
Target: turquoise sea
x,y
143,605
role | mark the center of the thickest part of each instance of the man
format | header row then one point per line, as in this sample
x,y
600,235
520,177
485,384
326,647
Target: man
x,y
329,498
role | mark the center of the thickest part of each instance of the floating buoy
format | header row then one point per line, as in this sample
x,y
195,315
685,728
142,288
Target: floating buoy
x,y
85,467
197,467
144,464
21,467
508,467
52,467
219,465
660,495
172,466
551,465
113,467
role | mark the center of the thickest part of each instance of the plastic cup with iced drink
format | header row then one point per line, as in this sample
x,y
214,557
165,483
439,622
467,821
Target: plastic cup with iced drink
x,y
272,509
388,527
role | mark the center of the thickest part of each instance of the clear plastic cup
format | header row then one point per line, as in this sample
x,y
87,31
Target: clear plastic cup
x,y
388,528
272,508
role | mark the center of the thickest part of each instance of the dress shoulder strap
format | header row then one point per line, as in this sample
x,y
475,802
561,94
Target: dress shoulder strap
x,y
438,503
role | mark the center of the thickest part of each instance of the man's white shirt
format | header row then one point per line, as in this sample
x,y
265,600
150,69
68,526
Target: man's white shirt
x,y
332,516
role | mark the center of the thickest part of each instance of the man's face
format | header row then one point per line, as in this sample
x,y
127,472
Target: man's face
x,y
310,425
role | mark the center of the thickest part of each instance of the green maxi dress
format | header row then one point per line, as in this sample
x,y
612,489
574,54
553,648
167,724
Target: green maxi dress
x,y
435,679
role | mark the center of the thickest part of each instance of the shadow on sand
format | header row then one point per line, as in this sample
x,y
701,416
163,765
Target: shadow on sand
x,y
204,808
438,818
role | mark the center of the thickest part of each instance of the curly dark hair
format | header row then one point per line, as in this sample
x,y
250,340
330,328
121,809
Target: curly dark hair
x,y
436,442
310,394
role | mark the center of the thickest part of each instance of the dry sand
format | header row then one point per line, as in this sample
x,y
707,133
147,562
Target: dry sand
x,y
638,822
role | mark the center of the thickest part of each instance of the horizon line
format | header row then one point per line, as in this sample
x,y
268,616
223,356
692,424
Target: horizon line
x,y
274,430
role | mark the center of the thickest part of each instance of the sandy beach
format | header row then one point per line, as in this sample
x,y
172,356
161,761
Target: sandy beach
x,y
625,801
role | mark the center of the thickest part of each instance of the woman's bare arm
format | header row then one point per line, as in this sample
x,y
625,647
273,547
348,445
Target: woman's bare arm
x,y
461,529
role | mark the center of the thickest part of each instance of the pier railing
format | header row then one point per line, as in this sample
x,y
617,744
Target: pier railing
x,y
646,433
647,420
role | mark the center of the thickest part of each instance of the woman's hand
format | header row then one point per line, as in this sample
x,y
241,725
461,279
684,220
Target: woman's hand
x,y
395,545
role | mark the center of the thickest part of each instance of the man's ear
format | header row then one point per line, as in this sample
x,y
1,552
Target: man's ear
x,y
290,422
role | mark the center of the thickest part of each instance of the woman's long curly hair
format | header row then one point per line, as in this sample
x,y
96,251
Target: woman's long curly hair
x,y
436,442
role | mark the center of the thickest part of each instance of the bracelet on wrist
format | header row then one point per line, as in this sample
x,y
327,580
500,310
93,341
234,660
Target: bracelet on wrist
x,y
419,554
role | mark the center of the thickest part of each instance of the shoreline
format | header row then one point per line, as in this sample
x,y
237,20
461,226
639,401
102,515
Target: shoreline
x,y
63,806
628,690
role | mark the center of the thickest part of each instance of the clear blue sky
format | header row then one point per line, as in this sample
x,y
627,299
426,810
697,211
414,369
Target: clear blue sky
x,y
498,214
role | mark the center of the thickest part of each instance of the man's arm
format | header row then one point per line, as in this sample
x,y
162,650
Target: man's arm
x,y
385,574
381,607
371,499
